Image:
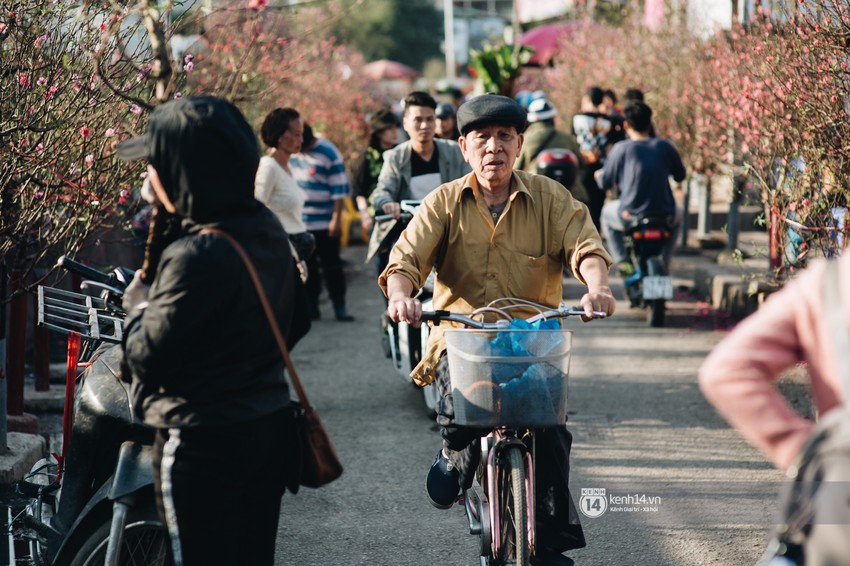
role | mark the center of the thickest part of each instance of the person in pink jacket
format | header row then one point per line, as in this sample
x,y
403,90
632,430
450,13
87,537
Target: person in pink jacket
x,y
739,375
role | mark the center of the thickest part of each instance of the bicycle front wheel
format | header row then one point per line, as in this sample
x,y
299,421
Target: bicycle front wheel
x,y
513,511
145,543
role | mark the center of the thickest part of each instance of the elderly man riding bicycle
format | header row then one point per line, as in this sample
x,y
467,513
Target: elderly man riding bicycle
x,y
495,233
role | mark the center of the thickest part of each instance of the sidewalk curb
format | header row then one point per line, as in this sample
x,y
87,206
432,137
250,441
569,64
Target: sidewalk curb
x,y
24,451
733,286
50,401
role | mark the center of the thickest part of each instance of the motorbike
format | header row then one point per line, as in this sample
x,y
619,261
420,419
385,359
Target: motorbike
x,y
649,286
402,343
94,503
559,164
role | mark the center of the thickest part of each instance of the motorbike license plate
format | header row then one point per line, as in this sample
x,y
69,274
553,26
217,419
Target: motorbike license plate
x,y
657,287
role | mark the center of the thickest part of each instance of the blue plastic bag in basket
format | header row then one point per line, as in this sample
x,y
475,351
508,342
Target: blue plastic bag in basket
x,y
529,399
509,343
503,346
528,391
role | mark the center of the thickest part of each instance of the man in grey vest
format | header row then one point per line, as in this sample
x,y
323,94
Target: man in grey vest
x,y
412,169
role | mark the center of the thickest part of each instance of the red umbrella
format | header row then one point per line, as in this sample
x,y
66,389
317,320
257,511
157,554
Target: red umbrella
x,y
386,69
546,40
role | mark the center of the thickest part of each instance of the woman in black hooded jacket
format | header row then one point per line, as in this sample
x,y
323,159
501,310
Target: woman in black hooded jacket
x,y
206,370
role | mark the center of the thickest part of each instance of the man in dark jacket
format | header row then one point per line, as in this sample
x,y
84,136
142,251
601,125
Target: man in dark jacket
x,y
640,168
542,135
207,373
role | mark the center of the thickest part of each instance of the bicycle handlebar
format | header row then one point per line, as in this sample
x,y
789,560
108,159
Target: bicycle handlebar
x,y
408,209
84,270
387,217
110,286
563,311
89,285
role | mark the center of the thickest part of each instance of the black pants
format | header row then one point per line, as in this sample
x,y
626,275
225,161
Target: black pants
x,y
218,489
325,265
595,195
382,259
558,525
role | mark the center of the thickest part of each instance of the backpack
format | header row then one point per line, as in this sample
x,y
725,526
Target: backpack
x,y
591,131
815,505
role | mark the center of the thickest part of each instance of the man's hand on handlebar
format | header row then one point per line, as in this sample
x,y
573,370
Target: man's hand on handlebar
x,y
402,308
599,301
594,271
393,208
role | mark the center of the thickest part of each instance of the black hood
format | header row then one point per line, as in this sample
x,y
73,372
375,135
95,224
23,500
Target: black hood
x,y
206,156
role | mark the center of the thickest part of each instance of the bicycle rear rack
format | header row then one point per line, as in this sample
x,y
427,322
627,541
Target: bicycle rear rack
x,y
66,312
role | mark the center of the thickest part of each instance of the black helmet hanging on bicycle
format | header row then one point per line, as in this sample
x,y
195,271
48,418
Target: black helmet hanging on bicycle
x,y
558,164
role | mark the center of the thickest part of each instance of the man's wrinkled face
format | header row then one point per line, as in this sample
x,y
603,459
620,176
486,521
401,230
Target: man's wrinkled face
x,y
491,152
420,123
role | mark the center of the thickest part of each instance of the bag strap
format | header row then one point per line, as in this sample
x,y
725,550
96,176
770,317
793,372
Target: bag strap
x,y
837,320
267,308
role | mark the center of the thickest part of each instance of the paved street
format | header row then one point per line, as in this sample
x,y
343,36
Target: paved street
x,y
681,488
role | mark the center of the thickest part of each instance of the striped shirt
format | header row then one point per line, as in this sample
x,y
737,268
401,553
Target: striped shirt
x,y
320,172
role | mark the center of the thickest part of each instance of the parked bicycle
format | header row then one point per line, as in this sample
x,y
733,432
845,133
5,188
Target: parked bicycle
x,y
94,504
510,377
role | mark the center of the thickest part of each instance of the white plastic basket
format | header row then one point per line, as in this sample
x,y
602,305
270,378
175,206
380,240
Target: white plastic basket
x,y
509,377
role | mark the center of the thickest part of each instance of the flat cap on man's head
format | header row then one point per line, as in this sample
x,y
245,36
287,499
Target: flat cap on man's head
x,y
490,110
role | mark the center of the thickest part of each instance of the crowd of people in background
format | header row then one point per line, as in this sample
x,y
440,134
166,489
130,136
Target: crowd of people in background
x,y
410,151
